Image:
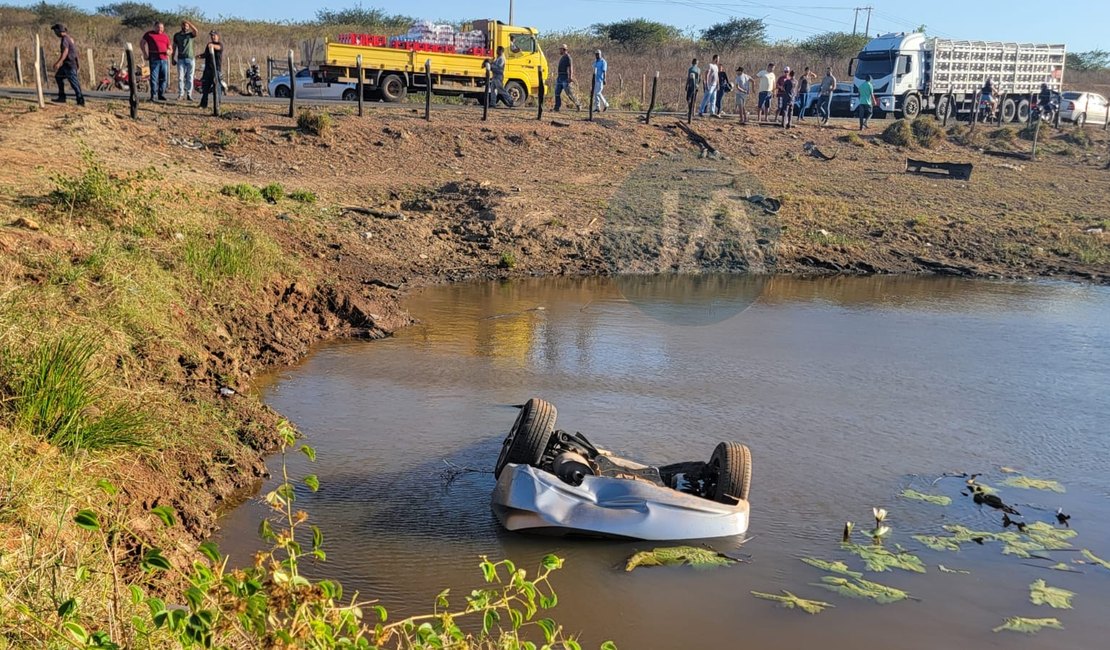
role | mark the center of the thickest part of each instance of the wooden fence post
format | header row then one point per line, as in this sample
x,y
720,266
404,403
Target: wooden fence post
x,y
358,68
485,96
692,98
292,85
651,106
18,67
593,95
38,73
1036,133
428,90
1000,105
91,67
539,98
132,82
643,88
975,110
42,61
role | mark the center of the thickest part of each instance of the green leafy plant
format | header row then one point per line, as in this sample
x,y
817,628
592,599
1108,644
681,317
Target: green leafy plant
x,y
790,601
1027,483
245,192
1042,594
1028,625
302,196
860,588
934,499
312,122
273,192
878,558
832,567
507,260
228,254
694,556
99,193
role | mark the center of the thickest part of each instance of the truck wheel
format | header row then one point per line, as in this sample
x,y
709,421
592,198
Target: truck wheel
x,y
911,106
517,92
528,438
1023,111
281,91
944,108
350,95
732,463
1009,110
393,88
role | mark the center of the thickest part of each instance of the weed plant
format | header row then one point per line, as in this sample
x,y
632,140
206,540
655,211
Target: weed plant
x,y
273,192
314,123
303,196
243,191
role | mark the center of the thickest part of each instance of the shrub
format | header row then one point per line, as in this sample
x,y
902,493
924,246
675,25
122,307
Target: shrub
x,y
852,138
507,261
899,134
309,121
1005,134
59,393
963,135
97,192
927,132
273,192
304,196
738,32
243,191
834,45
636,33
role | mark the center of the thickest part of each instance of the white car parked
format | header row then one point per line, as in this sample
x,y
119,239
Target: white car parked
x,y
310,86
1081,108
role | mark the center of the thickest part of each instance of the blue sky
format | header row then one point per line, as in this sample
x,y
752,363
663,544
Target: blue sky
x,y
1080,24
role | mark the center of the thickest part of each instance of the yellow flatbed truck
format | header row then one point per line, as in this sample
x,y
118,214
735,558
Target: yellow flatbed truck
x,y
390,73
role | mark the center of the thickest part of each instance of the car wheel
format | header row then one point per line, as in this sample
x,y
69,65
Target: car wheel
x,y
732,463
528,438
393,88
1023,111
281,91
350,95
1081,119
517,92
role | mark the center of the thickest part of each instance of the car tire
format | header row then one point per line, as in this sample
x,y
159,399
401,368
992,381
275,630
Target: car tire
x,y
1080,120
281,91
350,95
393,88
732,463
1023,111
528,438
517,92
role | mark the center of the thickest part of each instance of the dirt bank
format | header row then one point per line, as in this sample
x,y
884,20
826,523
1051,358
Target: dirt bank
x,y
205,283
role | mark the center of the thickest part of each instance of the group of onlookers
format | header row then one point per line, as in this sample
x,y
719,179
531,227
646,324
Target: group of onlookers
x,y
160,51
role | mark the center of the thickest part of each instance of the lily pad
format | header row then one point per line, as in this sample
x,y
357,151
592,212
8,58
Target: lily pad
x,y
938,542
1066,568
935,499
878,558
1041,594
832,567
694,556
1048,536
1094,559
1027,483
944,569
790,601
1028,625
860,588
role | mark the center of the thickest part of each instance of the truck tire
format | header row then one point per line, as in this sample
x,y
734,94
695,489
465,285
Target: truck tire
x,y
1023,111
944,108
528,438
911,106
517,92
281,91
732,462
1009,110
393,88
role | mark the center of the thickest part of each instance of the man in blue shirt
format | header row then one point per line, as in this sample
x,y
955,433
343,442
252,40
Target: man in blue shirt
x,y
600,68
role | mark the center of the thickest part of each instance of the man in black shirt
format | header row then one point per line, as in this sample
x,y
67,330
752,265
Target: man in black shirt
x,y
66,67
564,79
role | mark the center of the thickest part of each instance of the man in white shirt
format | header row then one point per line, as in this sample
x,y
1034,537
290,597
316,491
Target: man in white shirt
x,y
743,89
766,90
712,77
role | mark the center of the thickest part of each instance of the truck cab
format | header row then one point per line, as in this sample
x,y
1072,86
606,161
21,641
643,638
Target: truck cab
x,y
895,63
523,55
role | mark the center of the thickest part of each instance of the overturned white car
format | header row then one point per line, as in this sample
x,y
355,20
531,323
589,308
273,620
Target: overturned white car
x,y
556,482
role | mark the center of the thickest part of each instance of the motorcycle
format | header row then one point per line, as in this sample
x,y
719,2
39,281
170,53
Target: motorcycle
x,y
986,112
1046,112
254,80
116,78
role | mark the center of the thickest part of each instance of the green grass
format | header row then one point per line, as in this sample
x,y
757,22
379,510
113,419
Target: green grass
x,y
243,191
927,132
899,134
58,395
232,254
273,192
303,196
507,261
852,138
309,121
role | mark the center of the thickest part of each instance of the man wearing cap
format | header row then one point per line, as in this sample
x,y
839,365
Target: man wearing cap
x,y
184,57
564,78
601,66
66,67
156,50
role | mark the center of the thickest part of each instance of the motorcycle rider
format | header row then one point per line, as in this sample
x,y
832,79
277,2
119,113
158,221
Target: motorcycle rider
x,y
987,94
1044,100
254,78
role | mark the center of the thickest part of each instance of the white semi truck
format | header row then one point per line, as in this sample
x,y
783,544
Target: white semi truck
x,y
913,73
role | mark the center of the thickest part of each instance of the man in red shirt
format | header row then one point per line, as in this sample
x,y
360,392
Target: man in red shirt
x,y
156,50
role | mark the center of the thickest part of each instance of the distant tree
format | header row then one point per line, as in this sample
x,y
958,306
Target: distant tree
x,y
738,32
1092,60
369,18
136,14
48,13
834,45
921,28
637,32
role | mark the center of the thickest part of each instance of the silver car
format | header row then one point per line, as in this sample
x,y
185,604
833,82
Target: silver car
x,y
556,482
310,86
1081,108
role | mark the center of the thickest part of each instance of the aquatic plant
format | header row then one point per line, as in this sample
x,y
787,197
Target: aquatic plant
x,y
1028,625
1042,594
790,601
935,499
694,556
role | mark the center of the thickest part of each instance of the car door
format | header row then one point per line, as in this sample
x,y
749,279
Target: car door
x,y
1103,108
306,88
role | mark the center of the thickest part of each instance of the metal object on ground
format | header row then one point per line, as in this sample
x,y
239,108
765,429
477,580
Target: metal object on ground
x,y
958,171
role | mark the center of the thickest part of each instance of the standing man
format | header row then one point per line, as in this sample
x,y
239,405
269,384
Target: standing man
x,y
802,88
766,85
693,74
723,87
712,78
156,50
780,92
66,67
184,57
213,64
824,103
788,86
601,67
743,89
866,102
564,79
497,90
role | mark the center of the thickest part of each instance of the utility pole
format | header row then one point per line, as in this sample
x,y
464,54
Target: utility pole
x,y
511,13
867,29
855,20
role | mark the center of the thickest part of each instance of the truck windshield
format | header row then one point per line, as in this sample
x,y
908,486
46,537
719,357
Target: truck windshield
x,y
879,64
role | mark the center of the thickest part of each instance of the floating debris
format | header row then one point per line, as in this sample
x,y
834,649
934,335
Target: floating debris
x,y
938,542
1041,594
1093,559
677,555
832,567
860,588
790,601
878,558
1026,483
1028,625
944,569
935,499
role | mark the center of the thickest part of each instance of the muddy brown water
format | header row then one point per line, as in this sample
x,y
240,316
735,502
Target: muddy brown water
x,y
846,389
